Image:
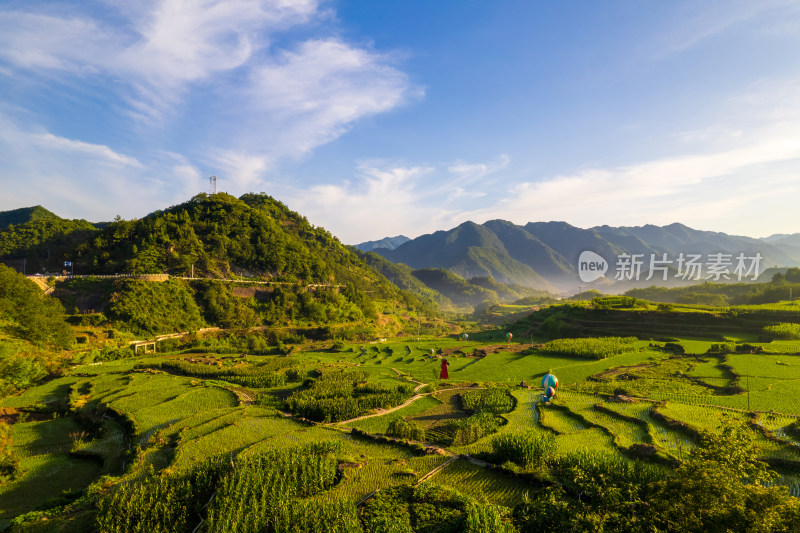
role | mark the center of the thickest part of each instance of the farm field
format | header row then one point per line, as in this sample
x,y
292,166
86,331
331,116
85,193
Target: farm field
x,y
367,421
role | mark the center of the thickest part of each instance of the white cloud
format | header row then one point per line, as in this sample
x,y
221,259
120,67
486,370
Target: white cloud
x,y
387,198
381,200
242,169
744,189
101,152
314,93
168,45
703,189
248,103
84,180
470,172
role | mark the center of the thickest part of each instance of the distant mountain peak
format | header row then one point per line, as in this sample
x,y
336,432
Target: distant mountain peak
x,y
389,243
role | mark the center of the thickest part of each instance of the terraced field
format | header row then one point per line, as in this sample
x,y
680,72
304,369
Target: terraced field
x,y
178,422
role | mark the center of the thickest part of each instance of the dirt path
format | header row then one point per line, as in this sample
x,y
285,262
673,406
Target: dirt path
x,y
408,402
382,412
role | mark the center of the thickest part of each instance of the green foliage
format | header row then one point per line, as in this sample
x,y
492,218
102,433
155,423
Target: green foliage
x,y
37,318
507,292
219,236
719,489
43,242
532,449
148,308
590,348
255,493
389,512
782,331
431,508
494,401
168,503
272,373
405,429
555,327
617,302
338,396
704,298
471,429
221,308
486,519
605,479
264,493
23,215
427,507
23,369
722,294
9,460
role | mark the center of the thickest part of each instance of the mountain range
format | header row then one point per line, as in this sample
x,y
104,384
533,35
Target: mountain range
x,y
545,255
220,235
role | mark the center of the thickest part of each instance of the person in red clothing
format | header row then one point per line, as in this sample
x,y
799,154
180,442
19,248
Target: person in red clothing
x,y
443,374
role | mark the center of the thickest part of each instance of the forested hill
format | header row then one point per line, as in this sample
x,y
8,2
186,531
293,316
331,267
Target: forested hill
x,y
39,239
218,235
25,214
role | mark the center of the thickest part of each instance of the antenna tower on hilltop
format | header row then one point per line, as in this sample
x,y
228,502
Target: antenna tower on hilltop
x,y
212,185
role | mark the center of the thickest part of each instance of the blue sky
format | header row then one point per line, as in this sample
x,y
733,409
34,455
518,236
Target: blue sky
x,y
375,118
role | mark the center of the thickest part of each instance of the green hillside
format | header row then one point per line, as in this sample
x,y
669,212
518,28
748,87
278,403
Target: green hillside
x,y
25,214
287,272
44,243
403,276
784,285
472,292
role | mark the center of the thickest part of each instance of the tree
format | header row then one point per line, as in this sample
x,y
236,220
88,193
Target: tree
x,y
37,317
719,489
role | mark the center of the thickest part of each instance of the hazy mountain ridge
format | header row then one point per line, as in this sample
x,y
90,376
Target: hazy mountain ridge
x,y
545,254
389,243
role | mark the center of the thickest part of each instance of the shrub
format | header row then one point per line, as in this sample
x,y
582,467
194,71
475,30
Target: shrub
x,y
785,331
490,401
405,429
529,449
473,428
590,348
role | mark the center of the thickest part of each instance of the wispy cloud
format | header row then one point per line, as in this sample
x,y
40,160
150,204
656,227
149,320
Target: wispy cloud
x,y
101,152
71,177
165,45
249,103
722,189
694,23
387,196
470,172
313,93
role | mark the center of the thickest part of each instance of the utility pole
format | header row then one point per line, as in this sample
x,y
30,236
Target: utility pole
x,y
192,270
24,263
